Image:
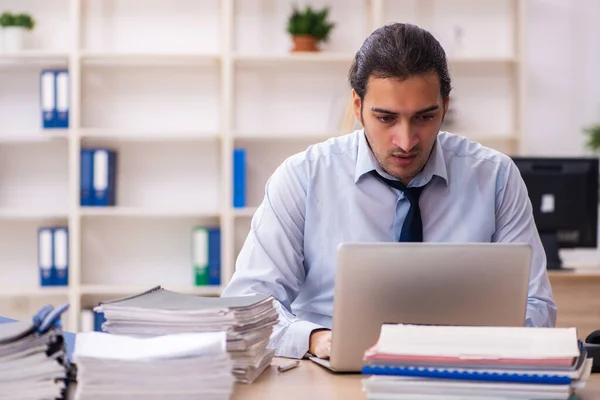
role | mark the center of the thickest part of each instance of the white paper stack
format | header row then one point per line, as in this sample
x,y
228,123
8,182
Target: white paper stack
x,y
451,362
32,363
248,321
178,366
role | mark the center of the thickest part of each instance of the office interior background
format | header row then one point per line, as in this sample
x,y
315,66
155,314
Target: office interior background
x,y
198,101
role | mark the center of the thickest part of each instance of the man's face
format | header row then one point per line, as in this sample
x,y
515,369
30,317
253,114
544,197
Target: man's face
x,y
402,119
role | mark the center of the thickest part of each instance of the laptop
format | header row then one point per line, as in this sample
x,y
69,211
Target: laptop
x,y
476,284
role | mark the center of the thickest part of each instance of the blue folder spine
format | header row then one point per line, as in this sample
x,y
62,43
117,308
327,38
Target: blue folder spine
x,y
99,319
239,178
86,178
465,375
62,98
104,177
60,244
48,98
45,255
214,256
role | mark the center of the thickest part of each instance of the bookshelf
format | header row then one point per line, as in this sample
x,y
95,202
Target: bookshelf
x,y
174,87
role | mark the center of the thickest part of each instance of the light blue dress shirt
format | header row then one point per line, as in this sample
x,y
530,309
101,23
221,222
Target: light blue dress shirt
x,y
324,196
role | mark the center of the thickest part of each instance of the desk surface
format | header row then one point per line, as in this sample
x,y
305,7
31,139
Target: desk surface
x,y
312,382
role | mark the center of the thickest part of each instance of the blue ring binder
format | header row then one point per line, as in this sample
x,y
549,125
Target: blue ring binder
x,y
463,375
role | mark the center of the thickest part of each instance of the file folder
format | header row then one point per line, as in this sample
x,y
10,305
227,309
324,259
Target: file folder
x,y
61,257
239,178
214,256
48,98
45,256
104,182
62,99
207,256
200,255
98,321
86,177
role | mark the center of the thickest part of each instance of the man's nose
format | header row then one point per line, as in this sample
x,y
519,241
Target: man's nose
x,y
404,137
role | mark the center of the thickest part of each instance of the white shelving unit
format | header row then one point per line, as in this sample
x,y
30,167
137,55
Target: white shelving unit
x,y
174,87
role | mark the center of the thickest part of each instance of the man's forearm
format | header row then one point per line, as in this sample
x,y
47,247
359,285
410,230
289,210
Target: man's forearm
x,y
291,336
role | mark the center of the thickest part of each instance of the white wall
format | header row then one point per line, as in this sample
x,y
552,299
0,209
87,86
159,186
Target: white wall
x,y
562,84
562,75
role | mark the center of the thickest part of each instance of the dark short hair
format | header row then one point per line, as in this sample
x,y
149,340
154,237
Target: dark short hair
x,y
399,50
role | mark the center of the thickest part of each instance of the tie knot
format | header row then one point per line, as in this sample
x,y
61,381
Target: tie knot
x,y
411,193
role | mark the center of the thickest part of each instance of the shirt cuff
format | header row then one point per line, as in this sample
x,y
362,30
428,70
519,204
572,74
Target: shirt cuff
x,y
295,343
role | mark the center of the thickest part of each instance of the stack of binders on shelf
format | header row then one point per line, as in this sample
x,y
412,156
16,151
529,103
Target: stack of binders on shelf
x,y
54,98
98,178
177,366
206,256
53,256
441,362
248,321
33,357
239,178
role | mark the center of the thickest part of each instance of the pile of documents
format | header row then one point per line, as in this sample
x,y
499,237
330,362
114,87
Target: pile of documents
x,y
445,362
177,366
248,321
33,357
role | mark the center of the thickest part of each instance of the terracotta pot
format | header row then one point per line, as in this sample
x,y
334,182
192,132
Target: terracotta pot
x,y
305,43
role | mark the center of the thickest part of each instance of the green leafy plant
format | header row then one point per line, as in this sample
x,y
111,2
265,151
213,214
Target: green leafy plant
x,y
310,22
593,137
21,20
7,19
25,21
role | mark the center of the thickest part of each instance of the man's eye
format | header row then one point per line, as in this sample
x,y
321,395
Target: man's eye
x,y
425,117
385,120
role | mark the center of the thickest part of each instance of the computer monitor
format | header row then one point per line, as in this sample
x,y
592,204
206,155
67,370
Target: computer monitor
x,y
564,196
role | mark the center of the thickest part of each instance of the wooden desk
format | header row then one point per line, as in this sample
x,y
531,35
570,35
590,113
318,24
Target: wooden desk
x,y
311,382
577,297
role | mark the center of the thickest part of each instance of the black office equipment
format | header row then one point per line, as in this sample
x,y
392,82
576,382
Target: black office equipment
x,y
564,196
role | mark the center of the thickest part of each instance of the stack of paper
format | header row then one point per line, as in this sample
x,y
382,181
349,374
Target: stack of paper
x,y
475,362
248,321
178,366
33,362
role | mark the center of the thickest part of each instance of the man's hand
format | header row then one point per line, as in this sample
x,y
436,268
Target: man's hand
x,y
320,343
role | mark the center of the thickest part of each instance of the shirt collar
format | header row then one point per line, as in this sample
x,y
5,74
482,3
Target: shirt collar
x,y
366,162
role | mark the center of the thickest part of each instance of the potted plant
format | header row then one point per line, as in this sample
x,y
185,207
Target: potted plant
x,y
593,137
14,30
308,28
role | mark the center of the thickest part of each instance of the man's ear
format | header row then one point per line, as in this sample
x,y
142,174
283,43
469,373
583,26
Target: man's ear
x,y
446,104
445,107
357,106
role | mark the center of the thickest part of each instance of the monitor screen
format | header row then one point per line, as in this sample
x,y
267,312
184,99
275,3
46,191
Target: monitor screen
x,y
564,197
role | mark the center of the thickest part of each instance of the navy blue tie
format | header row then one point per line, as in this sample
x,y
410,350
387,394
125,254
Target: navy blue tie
x,y
412,229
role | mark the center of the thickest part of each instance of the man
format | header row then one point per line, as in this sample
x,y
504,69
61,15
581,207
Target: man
x,y
398,179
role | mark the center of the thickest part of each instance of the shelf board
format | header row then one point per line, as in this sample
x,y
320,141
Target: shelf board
x,y
144,212
482,60
288,58
283,137
127,290
26,56
134,135
148,58
32,213
33,291
246,212
45,135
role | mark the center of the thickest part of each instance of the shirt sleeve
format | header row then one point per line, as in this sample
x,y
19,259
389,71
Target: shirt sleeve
x,y
271,260
515,224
